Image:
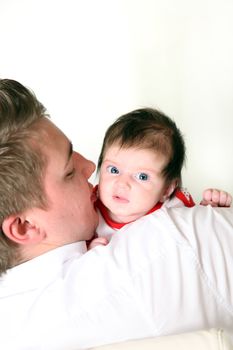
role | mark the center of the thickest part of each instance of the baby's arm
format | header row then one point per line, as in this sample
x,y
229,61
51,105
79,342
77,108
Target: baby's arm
x,y
97,241
216,198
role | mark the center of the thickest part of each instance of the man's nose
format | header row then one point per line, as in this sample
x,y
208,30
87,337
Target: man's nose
x,y
87,166
91,167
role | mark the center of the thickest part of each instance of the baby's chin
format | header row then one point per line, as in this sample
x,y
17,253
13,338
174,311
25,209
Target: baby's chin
x,y
124,217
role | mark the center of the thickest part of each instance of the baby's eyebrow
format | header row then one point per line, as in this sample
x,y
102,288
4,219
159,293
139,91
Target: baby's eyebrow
x,y
109,161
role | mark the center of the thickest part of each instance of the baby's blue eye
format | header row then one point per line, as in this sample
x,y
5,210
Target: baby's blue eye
x,y
112,169
142,176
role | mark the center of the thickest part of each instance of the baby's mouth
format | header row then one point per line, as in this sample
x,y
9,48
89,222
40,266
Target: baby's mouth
x,y
120,199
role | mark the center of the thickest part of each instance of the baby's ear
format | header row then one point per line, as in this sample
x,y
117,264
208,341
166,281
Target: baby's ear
x,y
169,190
20,231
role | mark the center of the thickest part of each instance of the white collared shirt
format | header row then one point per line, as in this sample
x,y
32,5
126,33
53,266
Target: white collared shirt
x,y
170,272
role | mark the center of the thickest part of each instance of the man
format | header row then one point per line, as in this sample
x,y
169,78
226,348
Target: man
x,y
172,274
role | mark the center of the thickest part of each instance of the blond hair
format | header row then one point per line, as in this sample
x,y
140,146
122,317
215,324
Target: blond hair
x,y
22,163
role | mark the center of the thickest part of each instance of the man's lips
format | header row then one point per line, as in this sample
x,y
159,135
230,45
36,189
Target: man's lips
x,y
93,194
93,197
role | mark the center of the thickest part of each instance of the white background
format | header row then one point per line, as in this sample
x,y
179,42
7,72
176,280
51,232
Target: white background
x,y
91,61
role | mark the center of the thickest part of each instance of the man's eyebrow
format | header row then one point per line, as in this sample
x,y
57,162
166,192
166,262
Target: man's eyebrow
x,y
69,155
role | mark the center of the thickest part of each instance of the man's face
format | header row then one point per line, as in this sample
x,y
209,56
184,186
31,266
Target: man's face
x,y
70,216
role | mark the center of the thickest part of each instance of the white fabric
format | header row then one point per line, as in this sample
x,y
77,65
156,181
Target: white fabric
x,y
213,339
170,272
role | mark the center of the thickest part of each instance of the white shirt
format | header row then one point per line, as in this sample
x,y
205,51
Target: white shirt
x,y
174,273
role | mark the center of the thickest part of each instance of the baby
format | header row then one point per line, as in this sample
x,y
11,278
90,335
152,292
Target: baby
x,y
139,167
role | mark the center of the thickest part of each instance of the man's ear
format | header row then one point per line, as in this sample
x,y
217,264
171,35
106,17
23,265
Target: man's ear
x,y
169,190
21,231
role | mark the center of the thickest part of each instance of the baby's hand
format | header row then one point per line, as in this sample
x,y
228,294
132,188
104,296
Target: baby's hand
x,y
97,241
216,198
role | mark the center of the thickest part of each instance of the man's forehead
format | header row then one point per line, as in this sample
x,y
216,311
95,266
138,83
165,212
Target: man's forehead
x,y
47,127
51,138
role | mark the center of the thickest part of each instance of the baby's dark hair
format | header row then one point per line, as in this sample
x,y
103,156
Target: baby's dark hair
x,y
148,128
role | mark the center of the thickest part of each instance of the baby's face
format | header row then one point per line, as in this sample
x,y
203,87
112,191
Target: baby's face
x,y
131,182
